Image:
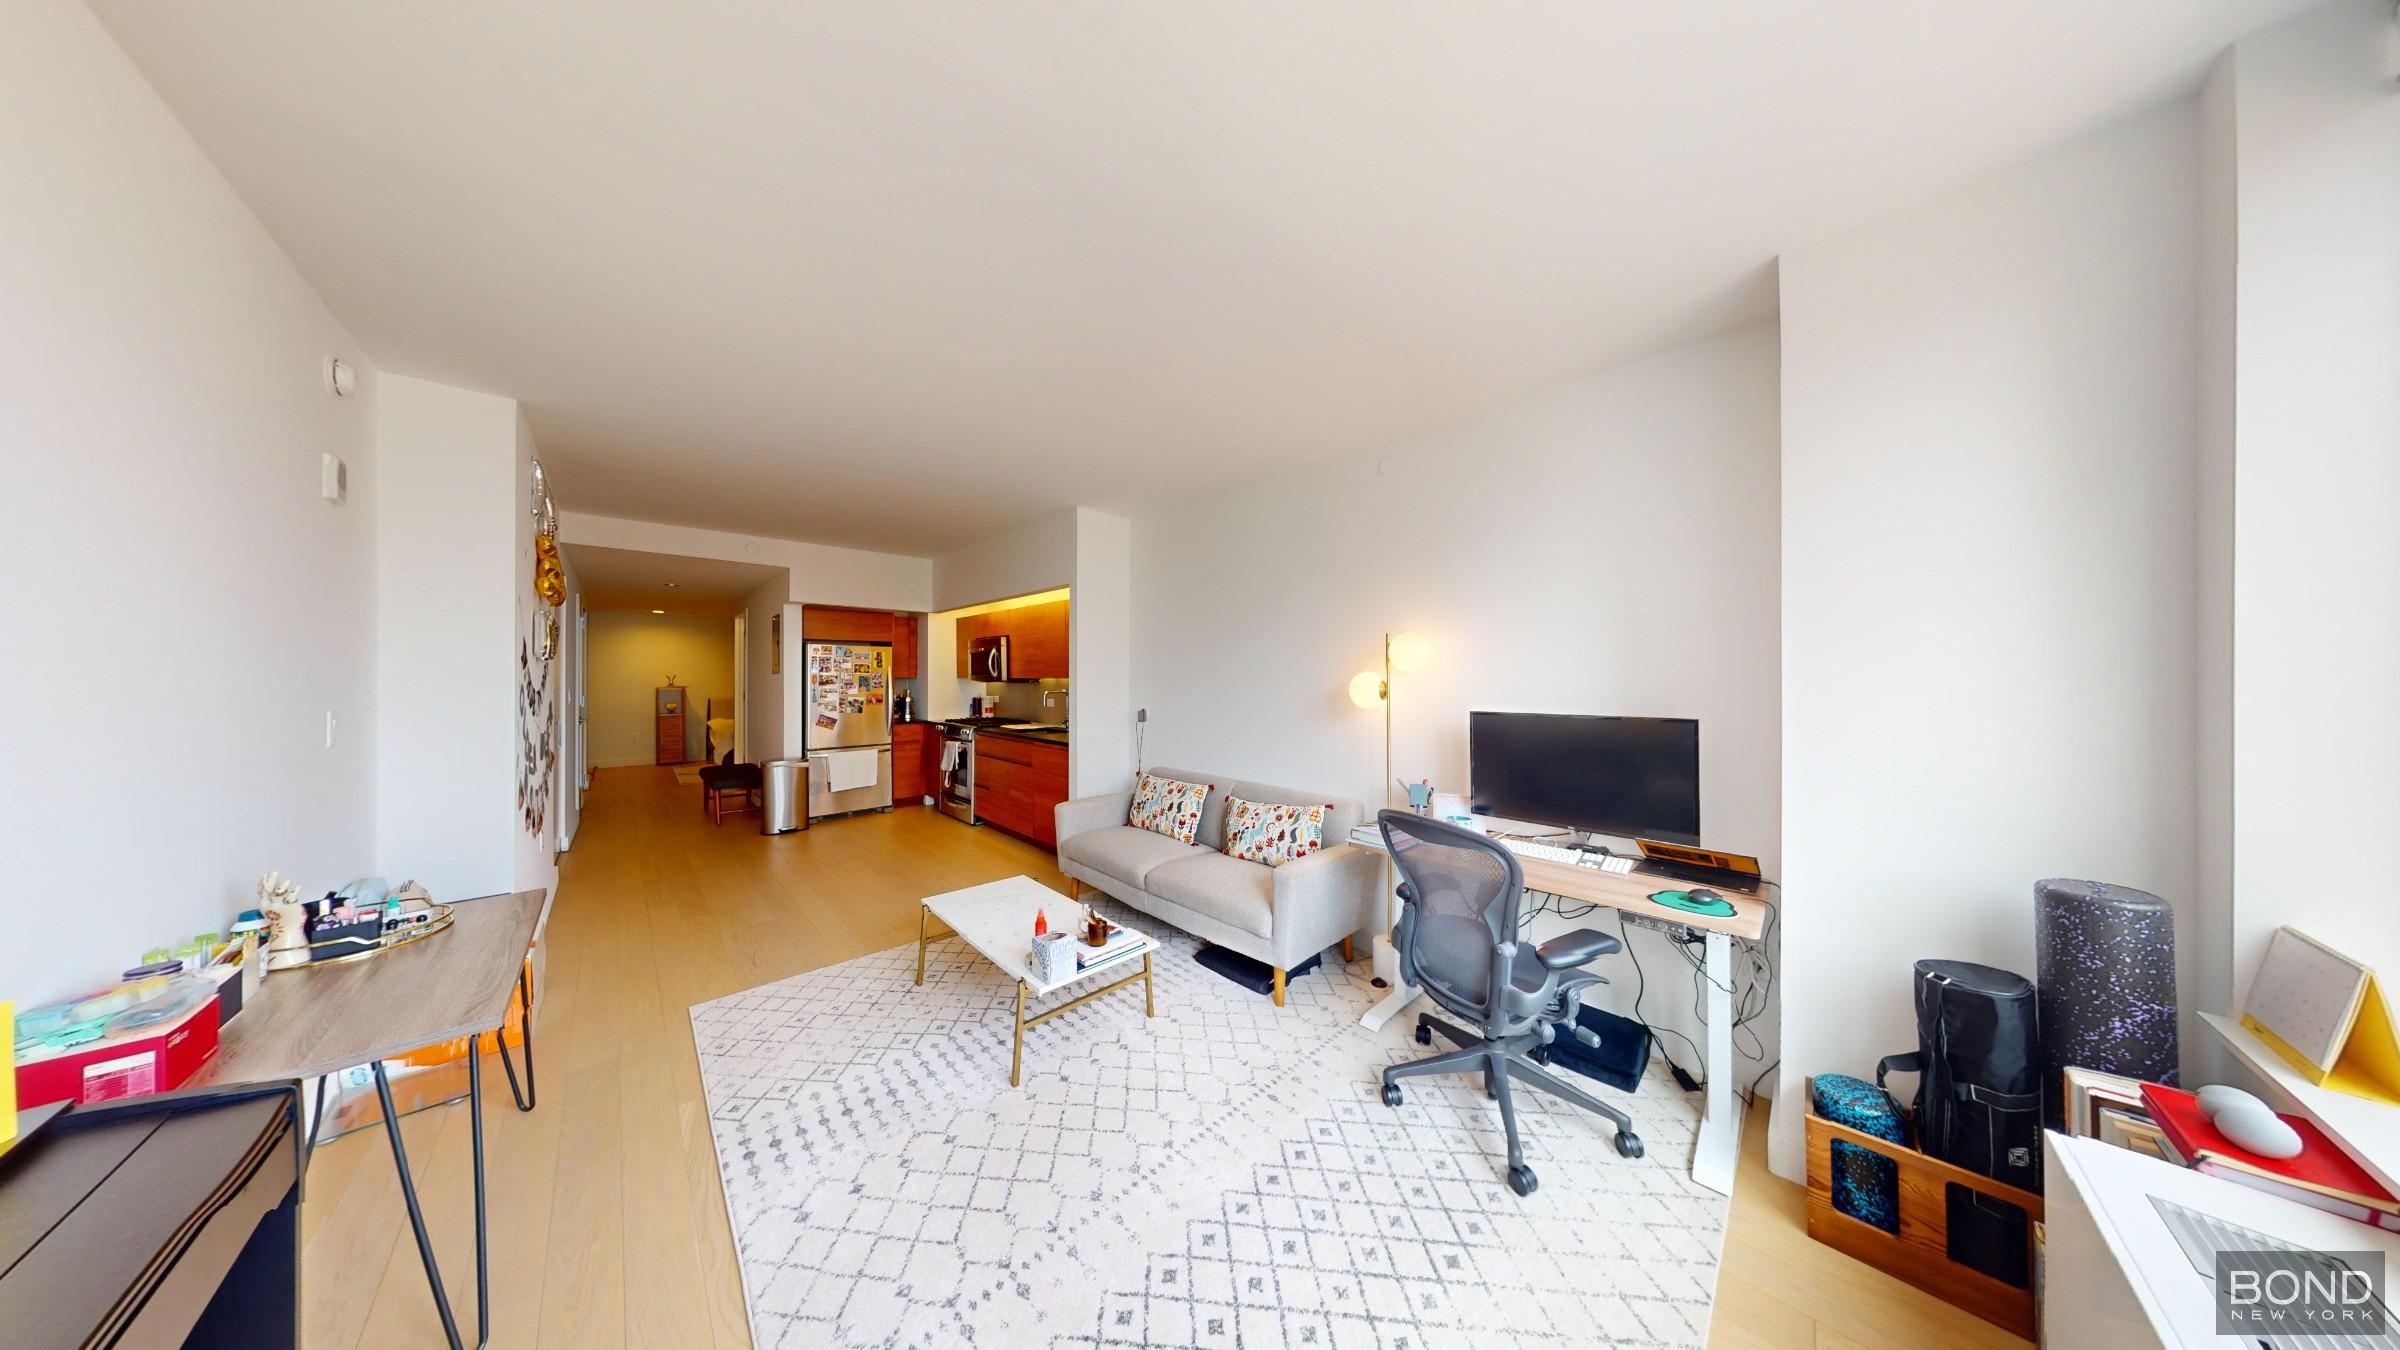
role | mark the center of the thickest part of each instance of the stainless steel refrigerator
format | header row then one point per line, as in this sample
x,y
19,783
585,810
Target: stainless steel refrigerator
x,y
848,728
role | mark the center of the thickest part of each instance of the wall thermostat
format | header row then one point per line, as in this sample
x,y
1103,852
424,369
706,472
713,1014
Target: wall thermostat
x,y
340,376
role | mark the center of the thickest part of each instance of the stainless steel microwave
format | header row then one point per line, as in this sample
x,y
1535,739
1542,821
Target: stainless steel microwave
x,y
987,659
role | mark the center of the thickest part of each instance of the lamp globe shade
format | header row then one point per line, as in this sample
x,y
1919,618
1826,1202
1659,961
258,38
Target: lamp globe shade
x,y
1366,689
1410,652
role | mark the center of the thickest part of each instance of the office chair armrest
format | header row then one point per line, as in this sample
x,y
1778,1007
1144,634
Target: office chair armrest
x,y
1584,945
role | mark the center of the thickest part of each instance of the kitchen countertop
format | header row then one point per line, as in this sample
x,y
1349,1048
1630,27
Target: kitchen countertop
x,y
1057,738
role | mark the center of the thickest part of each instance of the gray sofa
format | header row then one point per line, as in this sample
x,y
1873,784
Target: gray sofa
x,y
1277,915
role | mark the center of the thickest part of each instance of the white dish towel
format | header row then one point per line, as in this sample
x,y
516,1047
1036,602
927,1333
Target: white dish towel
x,y
951,750
849,769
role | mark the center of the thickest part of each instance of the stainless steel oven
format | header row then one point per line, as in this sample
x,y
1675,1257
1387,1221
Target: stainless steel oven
x,y
987,659
955,794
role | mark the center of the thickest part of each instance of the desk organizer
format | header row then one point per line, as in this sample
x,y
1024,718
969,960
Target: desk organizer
x,y
348,947
1918,1252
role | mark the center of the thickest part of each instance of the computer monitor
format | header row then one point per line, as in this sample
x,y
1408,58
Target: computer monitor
x,y
1628,777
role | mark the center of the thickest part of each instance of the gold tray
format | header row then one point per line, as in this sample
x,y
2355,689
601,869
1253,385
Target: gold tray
x,y
442,918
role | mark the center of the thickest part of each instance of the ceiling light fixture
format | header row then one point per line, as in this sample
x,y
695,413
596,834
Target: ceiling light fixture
x,y
658,611
673,584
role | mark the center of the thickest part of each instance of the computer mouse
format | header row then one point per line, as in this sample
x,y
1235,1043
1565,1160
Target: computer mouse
x,y
1703,893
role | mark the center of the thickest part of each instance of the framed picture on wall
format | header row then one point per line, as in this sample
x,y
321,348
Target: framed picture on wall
x,y
775,645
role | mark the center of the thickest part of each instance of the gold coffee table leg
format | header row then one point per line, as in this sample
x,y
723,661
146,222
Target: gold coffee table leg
x,y
922,914
1016,1050
1149,997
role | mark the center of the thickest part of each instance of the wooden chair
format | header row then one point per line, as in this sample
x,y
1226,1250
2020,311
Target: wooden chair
x,y
741,783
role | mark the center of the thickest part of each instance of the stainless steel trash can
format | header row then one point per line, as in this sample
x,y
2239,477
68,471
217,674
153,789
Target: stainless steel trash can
x,y
783,793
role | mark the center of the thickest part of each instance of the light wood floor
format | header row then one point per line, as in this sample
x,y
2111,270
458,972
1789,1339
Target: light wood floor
x,y
608,1227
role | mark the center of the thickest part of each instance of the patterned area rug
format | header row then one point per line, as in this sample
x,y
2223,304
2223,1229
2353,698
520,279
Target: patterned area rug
x,y
1220,1175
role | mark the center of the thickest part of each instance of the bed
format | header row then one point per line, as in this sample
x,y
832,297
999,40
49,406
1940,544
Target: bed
x,y
723,737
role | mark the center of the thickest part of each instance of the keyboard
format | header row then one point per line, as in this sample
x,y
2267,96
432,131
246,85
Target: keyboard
x,y
1573,857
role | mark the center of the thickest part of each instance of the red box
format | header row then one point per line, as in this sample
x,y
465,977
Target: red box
x,y
156,1059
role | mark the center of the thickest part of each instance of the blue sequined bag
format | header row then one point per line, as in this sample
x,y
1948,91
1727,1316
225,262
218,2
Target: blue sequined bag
x,y
1866,1185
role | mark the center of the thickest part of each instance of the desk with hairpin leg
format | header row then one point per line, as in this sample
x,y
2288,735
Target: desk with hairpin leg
x,y
455,985
1720,1143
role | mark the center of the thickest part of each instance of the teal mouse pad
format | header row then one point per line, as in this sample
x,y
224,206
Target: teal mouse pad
x,y
1715,907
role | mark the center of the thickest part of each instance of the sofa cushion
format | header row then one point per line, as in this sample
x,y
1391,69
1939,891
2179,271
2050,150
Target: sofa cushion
x,y
1341,814
1273,833
1126,852
1168,806
1211,834
1234,893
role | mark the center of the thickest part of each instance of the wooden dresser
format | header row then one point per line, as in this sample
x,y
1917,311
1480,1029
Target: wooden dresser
x,y
674,706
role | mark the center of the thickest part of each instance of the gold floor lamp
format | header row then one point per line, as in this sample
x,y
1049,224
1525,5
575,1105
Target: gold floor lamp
x,y
1406,653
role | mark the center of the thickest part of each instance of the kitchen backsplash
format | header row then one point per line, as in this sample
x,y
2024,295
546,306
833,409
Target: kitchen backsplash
x,y
1024,701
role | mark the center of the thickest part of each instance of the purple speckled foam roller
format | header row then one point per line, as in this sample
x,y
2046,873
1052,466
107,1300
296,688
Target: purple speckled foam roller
x,y
2104,958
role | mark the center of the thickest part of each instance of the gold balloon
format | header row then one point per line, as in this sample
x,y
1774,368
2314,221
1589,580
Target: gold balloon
x,y
549,574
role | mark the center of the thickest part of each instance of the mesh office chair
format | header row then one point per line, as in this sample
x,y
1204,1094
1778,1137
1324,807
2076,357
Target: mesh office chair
x,y
1457,942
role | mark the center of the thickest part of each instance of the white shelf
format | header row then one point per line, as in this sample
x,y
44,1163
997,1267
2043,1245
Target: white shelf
x,y
2116,1277
2368,1131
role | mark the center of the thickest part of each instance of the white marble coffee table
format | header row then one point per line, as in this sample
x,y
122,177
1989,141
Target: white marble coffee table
x,y
996,919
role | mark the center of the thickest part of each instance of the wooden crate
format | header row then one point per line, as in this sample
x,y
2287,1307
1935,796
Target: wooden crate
x,y
1919,1253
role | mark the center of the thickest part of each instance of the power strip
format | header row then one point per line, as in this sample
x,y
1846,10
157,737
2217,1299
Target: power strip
x,y
1679,932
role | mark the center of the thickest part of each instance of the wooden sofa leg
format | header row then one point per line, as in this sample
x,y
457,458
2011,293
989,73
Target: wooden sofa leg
x,y
1278,986
1347,955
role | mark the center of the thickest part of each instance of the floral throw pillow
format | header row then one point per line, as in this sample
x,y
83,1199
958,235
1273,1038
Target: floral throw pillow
x,y
1167,806
1272,833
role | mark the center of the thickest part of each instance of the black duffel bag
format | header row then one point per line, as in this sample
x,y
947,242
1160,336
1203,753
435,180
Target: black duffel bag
x,y
1979,1102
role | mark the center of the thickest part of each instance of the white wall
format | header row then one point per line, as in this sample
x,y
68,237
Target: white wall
x,y
1039,556
571,754
1989,410
763,738
821,573
1100,653
183,609
2208,941
446,638
631,657
2316,631
1604,546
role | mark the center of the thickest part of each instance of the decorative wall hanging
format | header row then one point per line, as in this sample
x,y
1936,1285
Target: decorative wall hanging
x,y
537,656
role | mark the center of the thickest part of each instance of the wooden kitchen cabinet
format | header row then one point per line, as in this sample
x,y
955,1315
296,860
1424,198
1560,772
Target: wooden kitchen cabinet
x,y
1018,785
1037,639
914,748
969,628
838,623
904,646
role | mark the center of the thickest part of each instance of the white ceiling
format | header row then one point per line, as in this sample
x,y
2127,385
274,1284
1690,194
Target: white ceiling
x,y
625,580
904,275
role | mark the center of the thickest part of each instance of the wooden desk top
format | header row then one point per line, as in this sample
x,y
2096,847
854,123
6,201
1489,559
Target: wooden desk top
x,y
1632,892
311,1022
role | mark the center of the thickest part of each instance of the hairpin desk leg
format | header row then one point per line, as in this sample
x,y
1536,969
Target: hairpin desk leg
x,y
416,1213
524,1099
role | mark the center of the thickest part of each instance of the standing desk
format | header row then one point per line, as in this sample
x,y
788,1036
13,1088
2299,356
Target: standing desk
x,y
1720,1143
457,984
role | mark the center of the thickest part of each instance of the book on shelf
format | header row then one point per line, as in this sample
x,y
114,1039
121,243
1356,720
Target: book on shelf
x,y
2320,1175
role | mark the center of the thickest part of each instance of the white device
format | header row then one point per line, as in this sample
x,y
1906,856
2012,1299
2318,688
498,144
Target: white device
x,y
1528,848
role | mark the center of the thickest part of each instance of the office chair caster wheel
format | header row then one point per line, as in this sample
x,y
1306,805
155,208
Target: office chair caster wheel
x,y
1521,1179
1391,1094
1629,1144
1424,1034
